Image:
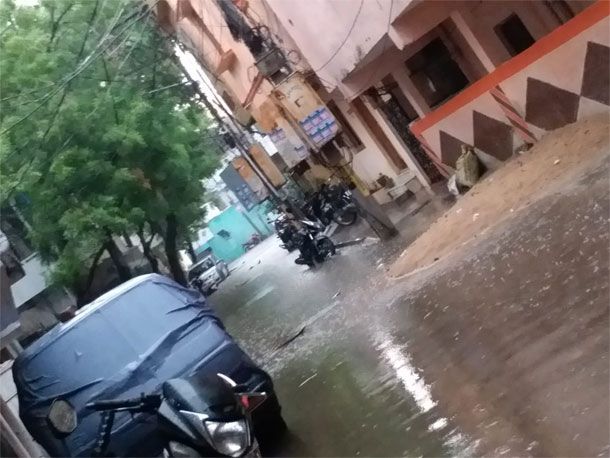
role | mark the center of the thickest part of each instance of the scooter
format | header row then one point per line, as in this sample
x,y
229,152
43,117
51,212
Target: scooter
x,y
199,416
313,245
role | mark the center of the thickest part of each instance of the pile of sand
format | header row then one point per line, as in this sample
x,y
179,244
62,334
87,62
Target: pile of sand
x,y
559,155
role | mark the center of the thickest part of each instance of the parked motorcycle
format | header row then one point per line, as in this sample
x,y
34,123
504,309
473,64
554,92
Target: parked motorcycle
x,y
313,245
339,198
254,240
331,203
286,231
199,416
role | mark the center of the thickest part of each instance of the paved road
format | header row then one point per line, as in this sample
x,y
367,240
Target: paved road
x,y
503,350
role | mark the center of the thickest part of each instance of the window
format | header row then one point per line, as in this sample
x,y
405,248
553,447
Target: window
x,y
514,35
435,73
224,234
560,9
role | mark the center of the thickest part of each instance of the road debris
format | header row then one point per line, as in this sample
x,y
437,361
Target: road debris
x,y
299,332
308,379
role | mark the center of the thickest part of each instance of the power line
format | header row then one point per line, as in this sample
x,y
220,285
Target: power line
x,y
349,32
373,72
80,68
112,27
17,150
10,97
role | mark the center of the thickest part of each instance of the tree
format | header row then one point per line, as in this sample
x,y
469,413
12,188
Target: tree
x,y
99,131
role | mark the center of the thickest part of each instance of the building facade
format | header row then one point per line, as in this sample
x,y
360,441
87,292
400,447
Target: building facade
x,y
39,305
408,81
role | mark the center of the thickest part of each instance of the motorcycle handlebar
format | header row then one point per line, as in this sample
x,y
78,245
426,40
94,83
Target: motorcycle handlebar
x,y
144,402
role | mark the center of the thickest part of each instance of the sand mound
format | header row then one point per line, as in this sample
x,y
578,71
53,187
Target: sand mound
x,y
559,155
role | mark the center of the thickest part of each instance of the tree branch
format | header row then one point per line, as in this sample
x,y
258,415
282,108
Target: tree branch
x,y
116,113
89,27
56,23
148,254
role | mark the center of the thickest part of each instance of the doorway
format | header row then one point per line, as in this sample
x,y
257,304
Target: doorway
x,y
435,73
399,112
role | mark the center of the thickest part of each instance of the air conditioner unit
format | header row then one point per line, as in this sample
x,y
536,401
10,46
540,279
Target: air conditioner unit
x,y
271,62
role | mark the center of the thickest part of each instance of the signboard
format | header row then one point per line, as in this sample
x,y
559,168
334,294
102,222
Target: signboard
x,y
250,177
236,183
305,106
267,166
288,144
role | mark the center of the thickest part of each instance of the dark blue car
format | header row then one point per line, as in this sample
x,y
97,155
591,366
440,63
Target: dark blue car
x,y
130,341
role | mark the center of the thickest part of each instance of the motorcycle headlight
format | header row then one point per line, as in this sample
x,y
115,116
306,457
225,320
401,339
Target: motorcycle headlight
x,y
229,438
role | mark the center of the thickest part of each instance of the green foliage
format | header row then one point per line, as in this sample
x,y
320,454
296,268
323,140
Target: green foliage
x,y
94,128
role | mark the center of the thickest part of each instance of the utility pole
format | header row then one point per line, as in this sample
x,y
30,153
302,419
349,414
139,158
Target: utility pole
x,y
243,150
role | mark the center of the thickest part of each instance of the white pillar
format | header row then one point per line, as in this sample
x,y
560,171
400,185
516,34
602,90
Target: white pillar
x,y
472,40
400,146
417,101
367,138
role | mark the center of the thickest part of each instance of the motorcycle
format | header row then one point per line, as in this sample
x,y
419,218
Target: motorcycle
x,y
340,202
199,416
254,240
313,245
286,230
331,203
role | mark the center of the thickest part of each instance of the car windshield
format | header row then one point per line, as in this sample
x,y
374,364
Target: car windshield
x,y
201,267
75,358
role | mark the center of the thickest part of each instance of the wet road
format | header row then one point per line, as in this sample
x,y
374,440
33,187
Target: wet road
x,y
501,350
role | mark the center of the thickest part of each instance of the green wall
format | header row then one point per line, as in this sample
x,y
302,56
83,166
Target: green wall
x,y
240,227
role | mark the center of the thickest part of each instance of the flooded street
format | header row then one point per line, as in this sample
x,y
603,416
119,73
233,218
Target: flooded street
x,y
348,387
500,350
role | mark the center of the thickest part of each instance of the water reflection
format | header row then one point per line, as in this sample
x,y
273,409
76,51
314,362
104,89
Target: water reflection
x,y
405,372
396,356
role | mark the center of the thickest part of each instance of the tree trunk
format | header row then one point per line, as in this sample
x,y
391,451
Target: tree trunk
x,y
171,249
127,239
81,295
117,258
191,251
148,253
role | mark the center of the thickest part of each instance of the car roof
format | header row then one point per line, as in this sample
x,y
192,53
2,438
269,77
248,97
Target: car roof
x,y
90,308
